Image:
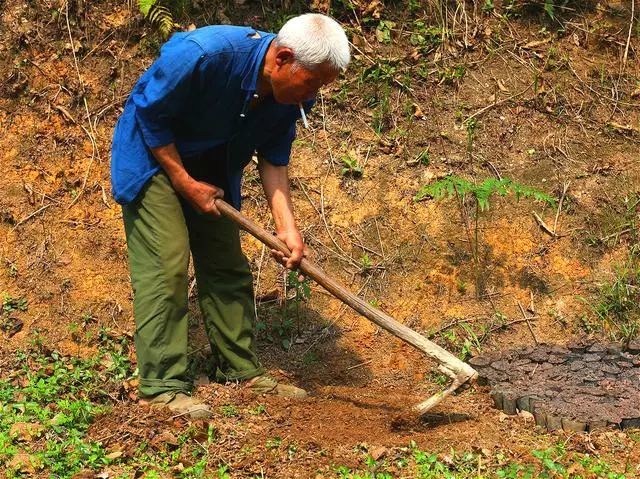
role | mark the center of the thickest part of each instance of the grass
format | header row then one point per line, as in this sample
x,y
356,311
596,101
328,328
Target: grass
x,y
616,305
49,402
412,462
46,411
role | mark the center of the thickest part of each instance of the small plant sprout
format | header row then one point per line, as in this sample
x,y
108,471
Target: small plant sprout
x,y
351,167
471,125
365,262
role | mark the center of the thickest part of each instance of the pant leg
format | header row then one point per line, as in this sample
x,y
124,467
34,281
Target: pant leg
x,y
225,292
158,245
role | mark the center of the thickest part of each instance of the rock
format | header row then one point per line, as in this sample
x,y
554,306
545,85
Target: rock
x,y
480,361
572,425
634,346
554,423
576,389
576,365
509,403
497,397
592,357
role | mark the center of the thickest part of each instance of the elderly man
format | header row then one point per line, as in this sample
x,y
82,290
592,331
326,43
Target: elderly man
x,y
213,98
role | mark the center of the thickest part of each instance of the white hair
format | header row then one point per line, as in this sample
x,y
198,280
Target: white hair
x,y
315,40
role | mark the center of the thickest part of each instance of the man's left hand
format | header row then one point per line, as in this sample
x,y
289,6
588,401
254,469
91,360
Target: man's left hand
x,y
293,239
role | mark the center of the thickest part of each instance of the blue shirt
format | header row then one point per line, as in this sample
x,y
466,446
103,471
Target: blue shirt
x,y
197,95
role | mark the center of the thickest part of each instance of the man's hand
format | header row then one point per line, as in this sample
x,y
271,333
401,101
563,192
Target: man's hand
x,y
293,239
202,196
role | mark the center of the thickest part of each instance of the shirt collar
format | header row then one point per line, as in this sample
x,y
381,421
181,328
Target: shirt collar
x,y
250,75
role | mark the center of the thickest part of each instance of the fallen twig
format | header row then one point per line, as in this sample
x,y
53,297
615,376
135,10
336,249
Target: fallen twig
x,y
36,212
626,48
565,188
497,103
544,226
359,365
90,132
526,319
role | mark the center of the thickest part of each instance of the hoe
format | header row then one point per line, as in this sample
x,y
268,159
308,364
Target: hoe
x,y
458,371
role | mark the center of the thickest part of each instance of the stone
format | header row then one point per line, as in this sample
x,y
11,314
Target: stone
x,y
571,425
582,387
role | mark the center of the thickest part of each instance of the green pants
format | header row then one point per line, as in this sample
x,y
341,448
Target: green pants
x,y
161,229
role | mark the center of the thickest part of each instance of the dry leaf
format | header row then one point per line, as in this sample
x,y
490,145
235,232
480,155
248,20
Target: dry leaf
x,y
25,431
415,55
358,41
535,44
374,9
378,453
84,474
502,87
320,5
114,455
164,437
636,93
576,39
417,112
23,462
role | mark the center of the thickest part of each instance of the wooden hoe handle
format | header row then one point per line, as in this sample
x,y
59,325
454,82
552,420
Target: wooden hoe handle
x,y
458,370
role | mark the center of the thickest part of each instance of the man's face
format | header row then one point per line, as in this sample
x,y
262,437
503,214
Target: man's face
x,y
292,84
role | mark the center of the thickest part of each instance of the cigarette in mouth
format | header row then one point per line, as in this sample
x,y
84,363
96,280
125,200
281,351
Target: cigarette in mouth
x,y
304,116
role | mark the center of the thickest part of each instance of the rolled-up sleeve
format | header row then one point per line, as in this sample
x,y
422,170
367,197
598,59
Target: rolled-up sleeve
x,y
159,101
277,150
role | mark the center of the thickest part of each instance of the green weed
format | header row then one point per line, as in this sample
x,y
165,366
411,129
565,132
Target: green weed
x,y
351,166
56,396
425,38
451,75
617,303
383,31
229,410
12,304
418,464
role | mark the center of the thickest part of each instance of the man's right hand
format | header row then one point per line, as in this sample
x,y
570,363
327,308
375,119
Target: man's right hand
x,y
202,196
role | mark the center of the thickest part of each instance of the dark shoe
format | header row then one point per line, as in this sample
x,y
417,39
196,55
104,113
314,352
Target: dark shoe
x,y
183,404
267,385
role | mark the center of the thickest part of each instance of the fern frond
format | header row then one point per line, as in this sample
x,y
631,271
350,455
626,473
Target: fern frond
x,y
451,185
161,17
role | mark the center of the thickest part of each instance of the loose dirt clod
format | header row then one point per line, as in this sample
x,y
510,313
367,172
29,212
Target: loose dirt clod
x,y
578,387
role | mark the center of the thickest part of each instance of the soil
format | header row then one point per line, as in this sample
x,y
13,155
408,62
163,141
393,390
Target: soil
x,y
553,107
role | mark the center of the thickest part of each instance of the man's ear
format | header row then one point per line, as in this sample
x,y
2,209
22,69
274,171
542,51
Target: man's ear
x,y
284,56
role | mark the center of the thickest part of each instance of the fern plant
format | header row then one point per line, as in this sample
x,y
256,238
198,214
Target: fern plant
x,y
452,185
473,200
158,15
